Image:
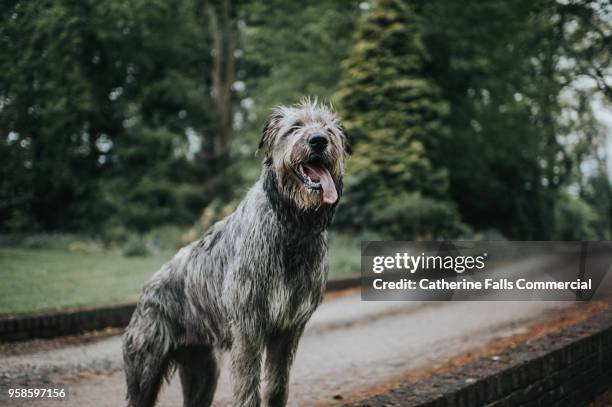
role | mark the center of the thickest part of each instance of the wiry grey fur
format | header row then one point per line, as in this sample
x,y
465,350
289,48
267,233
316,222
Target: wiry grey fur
x,y
249,285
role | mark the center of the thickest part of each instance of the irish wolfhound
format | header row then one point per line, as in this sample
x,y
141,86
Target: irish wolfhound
x,y
252,281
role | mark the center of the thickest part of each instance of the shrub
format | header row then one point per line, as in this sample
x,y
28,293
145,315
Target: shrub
x,y
136,247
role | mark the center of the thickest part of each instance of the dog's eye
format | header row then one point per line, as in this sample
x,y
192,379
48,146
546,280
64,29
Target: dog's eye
x,y
292,129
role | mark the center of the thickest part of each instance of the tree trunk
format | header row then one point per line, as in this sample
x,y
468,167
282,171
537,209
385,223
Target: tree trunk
x,y
222,26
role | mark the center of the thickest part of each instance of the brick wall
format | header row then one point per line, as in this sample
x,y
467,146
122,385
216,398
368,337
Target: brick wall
x,y
64,323
566,368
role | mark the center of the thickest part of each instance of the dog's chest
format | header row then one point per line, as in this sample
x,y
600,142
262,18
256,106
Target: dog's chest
x,y
295,290
289,307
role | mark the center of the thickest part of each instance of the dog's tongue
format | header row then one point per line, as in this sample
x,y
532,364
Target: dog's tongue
x,y
321,175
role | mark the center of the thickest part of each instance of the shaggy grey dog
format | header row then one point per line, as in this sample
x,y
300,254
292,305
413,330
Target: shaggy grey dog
x,y
251,283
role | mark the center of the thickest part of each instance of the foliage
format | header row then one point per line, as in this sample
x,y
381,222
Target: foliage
x,y
51,241
292,49
136,247
520,128
96,99
344,255
395,119
576,220
123,118
589,44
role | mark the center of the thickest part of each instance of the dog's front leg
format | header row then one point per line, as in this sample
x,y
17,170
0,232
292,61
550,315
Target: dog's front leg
x,y
280,351
247,349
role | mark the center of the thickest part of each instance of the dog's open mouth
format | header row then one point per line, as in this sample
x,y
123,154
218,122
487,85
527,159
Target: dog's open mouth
x,y
316,177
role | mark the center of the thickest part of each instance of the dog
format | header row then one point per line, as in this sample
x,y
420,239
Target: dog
x,y
252,281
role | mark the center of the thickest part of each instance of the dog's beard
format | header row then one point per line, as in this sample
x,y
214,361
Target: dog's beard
x,y
295,191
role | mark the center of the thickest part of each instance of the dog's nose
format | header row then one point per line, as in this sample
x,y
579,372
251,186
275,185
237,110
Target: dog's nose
x,y
318,141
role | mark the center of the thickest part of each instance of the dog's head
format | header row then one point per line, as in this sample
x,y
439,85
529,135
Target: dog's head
x,y
305,147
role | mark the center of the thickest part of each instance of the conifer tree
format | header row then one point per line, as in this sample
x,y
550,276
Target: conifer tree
x,y
395,119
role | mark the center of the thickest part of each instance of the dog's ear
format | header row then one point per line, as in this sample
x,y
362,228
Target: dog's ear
x,y
269,132
345,140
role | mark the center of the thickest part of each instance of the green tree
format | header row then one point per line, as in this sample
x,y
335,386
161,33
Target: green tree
x,y
395,118
96,101
520,123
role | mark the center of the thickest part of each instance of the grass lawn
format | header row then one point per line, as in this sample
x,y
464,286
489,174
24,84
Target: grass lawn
x,y
34,280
